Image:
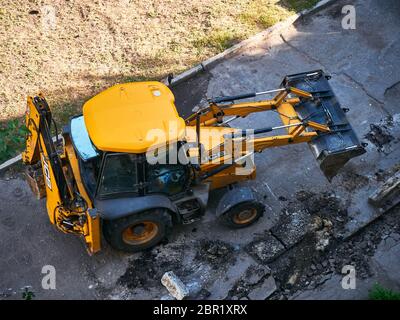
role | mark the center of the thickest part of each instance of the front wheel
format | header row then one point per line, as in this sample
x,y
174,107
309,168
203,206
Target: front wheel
x,y
139,231
243,214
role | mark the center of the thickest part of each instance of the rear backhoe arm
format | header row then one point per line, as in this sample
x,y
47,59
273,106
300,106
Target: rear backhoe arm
x,y
50,167
40,146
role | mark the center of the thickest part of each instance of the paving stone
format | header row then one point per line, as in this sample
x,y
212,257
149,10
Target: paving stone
x,y
266,249
293,227
221,287
388,192
263,291
387,256
254,274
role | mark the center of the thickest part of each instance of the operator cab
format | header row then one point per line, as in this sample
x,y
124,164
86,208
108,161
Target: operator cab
x,y
117,128
116,174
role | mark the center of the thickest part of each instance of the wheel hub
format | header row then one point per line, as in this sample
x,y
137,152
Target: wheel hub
x,y
140,233
245,216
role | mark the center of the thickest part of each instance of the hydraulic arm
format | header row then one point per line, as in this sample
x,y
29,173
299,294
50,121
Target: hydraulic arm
x,y
51,164
312,116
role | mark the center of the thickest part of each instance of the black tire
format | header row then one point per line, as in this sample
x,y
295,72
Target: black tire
x,y
231,217
120,233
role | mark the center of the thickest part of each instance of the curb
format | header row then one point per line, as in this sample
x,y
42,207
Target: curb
x,y
211,62
11,162
318,7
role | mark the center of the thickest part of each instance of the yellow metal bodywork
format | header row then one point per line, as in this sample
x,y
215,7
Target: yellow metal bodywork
x,y
212,139
133,117
91,232
34,153
214,114
56,209
228,177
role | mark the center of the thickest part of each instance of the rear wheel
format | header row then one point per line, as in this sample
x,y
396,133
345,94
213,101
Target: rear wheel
x,y
138,232
243,214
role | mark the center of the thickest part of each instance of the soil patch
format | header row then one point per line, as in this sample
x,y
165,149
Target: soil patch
x,y
147,270
379,133
352,181
215,253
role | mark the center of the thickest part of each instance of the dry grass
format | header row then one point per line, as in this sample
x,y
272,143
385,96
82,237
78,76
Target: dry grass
x,y
99,43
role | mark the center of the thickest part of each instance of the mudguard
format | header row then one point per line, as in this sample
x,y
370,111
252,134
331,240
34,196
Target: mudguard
x,y
110,209
233,197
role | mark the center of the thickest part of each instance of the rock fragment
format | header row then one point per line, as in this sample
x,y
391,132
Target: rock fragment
x,y
174,285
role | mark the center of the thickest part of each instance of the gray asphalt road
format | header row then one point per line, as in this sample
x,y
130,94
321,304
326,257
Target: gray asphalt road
x,y
365,68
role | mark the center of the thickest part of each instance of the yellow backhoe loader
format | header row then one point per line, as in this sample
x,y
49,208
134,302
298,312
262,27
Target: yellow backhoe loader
x,y
130,167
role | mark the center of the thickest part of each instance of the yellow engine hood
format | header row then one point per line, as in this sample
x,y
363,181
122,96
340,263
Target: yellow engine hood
x,y
133,117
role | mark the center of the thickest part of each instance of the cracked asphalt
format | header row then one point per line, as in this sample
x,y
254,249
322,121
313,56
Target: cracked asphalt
x,y
365,68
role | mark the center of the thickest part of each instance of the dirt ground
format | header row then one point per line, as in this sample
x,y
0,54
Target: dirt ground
x,y
311,227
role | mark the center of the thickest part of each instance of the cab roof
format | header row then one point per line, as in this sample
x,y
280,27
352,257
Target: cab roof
x,y
132,117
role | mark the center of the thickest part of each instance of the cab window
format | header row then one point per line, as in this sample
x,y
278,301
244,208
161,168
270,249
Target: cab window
x,y
166,178
119,174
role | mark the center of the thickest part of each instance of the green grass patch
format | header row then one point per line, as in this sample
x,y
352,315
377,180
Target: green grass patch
x,y
258,15
298,5
380,293
219,40
12,138
262,15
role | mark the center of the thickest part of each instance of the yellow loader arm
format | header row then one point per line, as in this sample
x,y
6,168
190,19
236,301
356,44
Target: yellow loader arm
x,y
312,116
214,113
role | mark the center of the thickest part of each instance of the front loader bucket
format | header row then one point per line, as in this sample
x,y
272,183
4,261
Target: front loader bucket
x,y
333,149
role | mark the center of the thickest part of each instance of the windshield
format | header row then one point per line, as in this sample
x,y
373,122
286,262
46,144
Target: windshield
x,y
80,138
119,174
